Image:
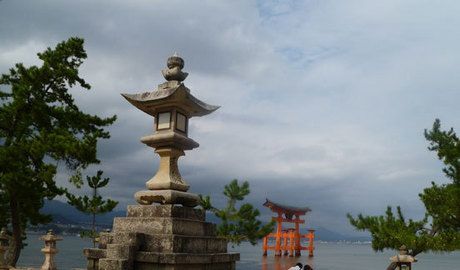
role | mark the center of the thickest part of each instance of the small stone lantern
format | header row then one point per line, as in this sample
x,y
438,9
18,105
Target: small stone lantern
x,y
403,260
4,244
49,250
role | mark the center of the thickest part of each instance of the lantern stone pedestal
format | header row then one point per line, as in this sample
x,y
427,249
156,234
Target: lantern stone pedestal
x,y
161,237
170,234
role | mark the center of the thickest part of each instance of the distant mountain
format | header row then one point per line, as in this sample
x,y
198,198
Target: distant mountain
x,y
64,213
321,233
324,234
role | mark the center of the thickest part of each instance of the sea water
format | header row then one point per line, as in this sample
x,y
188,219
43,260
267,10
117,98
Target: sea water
x,y
341,256
328,256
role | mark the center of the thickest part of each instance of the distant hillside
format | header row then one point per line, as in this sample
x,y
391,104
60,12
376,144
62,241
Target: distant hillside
x,y
321,233
324,234
64,213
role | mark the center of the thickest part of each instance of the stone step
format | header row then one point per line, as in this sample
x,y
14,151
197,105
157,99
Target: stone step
x,y
104,239
184,258
93,255
121,251
173,211
115,264
184,244
212,266
127,238
158,225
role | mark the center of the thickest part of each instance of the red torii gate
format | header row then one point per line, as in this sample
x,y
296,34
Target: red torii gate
x,y
288,241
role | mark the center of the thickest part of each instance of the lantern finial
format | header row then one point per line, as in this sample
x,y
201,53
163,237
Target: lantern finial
x,y
403,250
173,72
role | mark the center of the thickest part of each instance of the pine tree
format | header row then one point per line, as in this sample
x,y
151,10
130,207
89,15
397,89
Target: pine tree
x,y
237,224
439,230
93,205
40,126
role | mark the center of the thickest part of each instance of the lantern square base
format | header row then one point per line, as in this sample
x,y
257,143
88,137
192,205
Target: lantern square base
x,y
166,237
166,196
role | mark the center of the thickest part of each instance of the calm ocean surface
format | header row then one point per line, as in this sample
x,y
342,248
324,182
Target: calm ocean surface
x,y
328,256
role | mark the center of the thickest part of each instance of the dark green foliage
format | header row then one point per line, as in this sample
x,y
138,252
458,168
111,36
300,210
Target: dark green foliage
x,y
237,225
442,202
393,230
447,146
440,229
40,126
93,205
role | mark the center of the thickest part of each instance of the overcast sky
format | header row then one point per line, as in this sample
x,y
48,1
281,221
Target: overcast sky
x,y
324,103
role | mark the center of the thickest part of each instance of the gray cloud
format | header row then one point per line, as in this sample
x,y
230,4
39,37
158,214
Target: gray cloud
x,y
323,102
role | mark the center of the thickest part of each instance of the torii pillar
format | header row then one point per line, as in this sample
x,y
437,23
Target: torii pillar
x,y
288,214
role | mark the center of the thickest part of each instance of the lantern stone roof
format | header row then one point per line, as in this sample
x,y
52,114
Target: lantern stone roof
x,y
50,236
403,259
288,210
170,93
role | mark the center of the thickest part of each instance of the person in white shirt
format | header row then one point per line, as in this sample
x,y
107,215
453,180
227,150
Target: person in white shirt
x,y
298,266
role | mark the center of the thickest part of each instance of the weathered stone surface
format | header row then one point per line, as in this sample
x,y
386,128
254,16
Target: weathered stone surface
x,y
216,245
169,139
168,175
166,196
127,238
120,251
166,210
184,244
154,226
92,264
184,258
215,266
161,237
174,93
104,239
114,264
95,253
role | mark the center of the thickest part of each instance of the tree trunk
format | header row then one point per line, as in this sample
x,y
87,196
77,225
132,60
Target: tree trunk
x,y
93,233
17,233
392,266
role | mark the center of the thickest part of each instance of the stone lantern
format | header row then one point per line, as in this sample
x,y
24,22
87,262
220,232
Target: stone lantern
x,y
4,244
165,231
403,260
172,105
49,250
